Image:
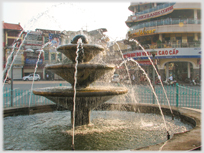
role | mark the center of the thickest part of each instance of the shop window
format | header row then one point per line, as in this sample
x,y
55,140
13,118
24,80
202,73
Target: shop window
x,y
46,55
39,37
167,39
46,39
67,41
53,57
10,42
179,39
199,37
59,56
13,33
190,39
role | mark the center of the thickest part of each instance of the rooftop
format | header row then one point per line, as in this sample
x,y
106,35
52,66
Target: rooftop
x,y
11,26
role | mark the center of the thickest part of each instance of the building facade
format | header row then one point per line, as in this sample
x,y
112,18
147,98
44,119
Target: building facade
x,y
32,45
12,41
173,30
26,47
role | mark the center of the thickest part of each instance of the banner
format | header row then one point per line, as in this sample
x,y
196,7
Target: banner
x,y
154,14
166,53
54,39
33,61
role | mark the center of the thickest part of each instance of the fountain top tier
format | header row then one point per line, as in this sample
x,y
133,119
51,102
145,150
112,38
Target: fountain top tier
x,y
86,52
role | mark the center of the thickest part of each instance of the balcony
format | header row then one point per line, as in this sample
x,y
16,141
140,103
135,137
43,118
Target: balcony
x,y
170,44
168,21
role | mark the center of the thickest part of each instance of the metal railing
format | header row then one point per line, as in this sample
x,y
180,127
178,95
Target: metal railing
x,y
170,44
168,21
179,96
23,98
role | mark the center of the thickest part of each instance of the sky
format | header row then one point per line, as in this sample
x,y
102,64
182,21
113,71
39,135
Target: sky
x,y
69,15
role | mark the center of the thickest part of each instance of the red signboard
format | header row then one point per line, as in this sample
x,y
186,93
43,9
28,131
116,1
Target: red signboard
x,y
164,52
154,14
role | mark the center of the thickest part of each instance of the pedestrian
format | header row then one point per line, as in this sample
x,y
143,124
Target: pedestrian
x,y
47,76
171,78
133,79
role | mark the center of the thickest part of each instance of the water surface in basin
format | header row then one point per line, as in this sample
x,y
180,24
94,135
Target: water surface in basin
x,y
109,130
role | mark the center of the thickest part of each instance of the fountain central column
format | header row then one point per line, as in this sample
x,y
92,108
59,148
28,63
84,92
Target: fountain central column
x,y
82,115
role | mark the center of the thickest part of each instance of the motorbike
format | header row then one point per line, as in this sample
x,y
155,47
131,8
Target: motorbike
x,y
157,82
169,82
193,82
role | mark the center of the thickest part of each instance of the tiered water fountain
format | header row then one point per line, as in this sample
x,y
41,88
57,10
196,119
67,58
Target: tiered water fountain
x,y
119,129
87,98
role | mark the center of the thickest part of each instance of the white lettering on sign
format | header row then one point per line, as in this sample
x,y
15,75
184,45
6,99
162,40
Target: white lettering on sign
x,y
154,14
160,52
167,52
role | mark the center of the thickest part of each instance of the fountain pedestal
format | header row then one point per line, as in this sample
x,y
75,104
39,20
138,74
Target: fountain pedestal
x,y
87,98
82,116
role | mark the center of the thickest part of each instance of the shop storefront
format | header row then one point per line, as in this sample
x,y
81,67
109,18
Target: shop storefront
x,y
182,63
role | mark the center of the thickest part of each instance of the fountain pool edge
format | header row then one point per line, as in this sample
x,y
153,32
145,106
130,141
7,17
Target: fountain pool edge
x,y
190,140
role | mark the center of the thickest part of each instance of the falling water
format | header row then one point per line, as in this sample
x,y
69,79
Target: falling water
x,y
79,48
14,57
128,75
45,13
133,95
124,62
36,66
157,74
130,59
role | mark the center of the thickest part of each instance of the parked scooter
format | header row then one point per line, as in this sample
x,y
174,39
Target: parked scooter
x,y
169,82
193,82
157,82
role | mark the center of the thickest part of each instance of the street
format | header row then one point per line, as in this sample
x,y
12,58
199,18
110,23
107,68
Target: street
x,y
22,92
23,85
40,84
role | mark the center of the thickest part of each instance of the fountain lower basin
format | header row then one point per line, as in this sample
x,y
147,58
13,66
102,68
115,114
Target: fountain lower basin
x,y
41,129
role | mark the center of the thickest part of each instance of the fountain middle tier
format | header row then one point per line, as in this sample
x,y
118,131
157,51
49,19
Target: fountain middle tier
x,y
86,73
86,99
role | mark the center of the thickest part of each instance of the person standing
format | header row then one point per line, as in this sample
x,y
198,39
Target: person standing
x,y
47,76
133,79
